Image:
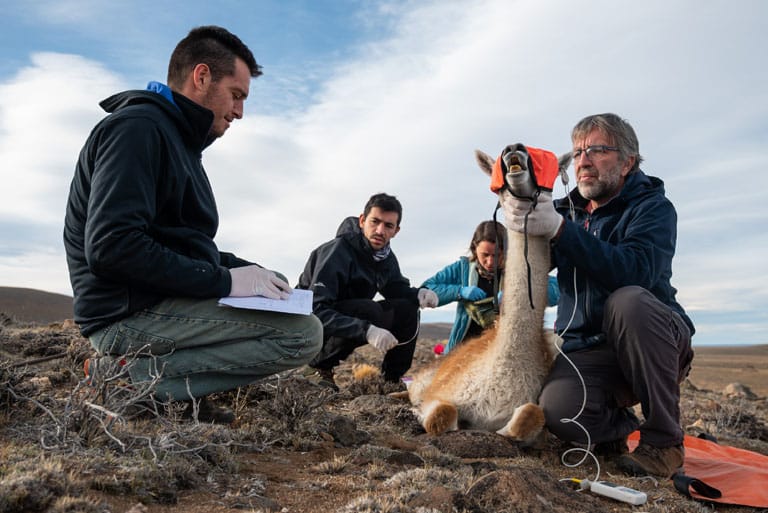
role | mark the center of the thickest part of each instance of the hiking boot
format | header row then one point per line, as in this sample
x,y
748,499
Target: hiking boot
x,y
612,448
322,377
658,461
208,412
395,383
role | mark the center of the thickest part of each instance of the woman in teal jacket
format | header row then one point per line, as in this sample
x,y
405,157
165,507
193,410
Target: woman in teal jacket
x,y
471,279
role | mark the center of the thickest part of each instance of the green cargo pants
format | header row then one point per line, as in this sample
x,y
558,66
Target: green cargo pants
x,y
200,347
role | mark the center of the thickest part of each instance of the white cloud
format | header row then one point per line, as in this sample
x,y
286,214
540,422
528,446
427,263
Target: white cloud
x,y
46,112
405,115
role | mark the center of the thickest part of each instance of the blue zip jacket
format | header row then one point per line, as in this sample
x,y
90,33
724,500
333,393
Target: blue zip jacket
x,y
628,241
447,284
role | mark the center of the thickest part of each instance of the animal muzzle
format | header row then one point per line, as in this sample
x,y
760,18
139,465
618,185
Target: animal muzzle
x,y
524,170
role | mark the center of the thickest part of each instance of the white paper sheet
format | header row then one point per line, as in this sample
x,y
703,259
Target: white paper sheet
x,y
299,302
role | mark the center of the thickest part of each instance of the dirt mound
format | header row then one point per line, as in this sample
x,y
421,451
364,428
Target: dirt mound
x,y
529,490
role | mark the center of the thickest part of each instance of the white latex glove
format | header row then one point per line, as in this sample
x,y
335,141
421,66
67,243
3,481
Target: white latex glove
x,y
253,280
380,338
543,221
427,298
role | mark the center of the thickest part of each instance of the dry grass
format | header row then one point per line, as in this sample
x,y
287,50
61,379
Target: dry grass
x,y
68,445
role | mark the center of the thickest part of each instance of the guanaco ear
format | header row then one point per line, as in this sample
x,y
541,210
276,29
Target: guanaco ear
x,y
485,161
564,161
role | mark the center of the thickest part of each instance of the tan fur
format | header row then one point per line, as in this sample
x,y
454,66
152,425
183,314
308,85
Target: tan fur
x,y
364,371
526,421
492,382
440,417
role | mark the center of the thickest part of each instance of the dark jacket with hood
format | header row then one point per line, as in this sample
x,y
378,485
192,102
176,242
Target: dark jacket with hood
x,y
628,241
141,216
344,268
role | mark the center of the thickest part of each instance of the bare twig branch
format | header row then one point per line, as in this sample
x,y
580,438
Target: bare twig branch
x,y
37,360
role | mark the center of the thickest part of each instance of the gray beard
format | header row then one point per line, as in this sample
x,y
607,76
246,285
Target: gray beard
x,y
608,187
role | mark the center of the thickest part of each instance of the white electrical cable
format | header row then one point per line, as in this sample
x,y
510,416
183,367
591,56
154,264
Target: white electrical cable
x,y
587,452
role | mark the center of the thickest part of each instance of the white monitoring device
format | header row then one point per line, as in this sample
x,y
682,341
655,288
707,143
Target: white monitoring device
x,y
614,491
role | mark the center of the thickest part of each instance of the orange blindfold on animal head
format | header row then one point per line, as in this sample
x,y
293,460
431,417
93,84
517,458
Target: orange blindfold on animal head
x,y
541,164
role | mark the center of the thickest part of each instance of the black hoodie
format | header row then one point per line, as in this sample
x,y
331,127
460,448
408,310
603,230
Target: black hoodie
x,y
141,216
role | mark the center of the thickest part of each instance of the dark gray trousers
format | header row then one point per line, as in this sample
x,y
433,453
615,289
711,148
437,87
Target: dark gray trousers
x,y
399,316
646,355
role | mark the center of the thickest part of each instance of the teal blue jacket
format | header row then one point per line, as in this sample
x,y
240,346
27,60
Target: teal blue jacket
x,y
447,284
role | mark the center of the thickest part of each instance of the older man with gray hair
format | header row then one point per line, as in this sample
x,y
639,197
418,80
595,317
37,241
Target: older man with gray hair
x,y
613,240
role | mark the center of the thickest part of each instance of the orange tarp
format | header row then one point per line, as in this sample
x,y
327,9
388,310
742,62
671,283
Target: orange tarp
x,y
741,476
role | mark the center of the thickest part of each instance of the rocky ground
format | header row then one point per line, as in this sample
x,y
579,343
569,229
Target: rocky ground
x,y
68,446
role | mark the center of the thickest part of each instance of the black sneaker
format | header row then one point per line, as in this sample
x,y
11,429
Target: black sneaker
x,y
649,460
612,448
322,377
207,412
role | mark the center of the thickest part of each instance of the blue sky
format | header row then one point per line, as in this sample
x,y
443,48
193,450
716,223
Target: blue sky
x,y
360,97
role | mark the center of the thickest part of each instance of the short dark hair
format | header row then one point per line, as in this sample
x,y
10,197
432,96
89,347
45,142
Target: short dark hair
x,y
617,129
211,45
386,203
489,231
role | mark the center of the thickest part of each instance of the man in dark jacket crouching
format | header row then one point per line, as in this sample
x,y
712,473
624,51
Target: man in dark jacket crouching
x,y
139,230
346,273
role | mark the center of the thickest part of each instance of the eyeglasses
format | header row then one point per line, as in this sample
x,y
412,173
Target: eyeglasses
x,y
597,150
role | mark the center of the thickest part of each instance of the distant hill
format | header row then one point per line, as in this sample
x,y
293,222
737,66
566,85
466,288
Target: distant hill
x,y
35,306
40,307
435,330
